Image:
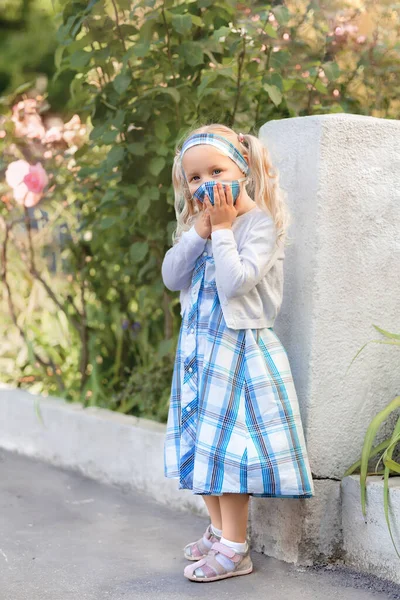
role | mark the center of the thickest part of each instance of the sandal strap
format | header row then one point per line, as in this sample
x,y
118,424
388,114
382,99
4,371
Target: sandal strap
x,y
229,552
202,546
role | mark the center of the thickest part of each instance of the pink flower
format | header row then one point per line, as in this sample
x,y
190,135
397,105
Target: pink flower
x,y
36,180
27,121
74,130
16,172
27,182
54,134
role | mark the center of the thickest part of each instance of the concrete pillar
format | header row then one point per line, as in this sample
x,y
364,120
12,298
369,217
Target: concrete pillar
x,y
341,173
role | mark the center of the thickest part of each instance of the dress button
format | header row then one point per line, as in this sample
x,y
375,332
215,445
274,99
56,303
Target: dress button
x,y
204,253
190,369
188,408
192,331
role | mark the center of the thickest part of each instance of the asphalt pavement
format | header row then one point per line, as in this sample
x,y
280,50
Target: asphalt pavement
x,y
66,537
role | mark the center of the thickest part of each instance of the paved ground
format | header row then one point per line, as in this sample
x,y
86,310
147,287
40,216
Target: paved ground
x,y
63,536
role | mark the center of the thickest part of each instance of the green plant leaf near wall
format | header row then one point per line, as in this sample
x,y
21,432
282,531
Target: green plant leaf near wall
x,y
386,448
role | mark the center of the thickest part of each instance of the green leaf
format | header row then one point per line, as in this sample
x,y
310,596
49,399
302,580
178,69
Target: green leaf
x,y
276,80
392,465
282,14
107,222
138,251
368,441
165,347
198,21
98,131
128,30
288,84
394,336
140,49
115,156
143,204
172,92
192,52
331,70
270,31
31,354
221,32
321,87
375,450
252,68
146,30
205,81
387,459
279,59
119,119
121,82
137,148
110,136
162,150
58,56
154,193
274,93
79,59
161,130
182,23
156,165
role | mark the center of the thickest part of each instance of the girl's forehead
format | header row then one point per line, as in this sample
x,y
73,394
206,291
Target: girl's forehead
x,y
203,155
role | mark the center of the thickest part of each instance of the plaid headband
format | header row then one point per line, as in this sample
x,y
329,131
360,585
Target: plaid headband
x,y
219,142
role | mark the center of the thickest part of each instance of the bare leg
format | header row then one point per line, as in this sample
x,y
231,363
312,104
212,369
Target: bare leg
x,y
235,513
212,503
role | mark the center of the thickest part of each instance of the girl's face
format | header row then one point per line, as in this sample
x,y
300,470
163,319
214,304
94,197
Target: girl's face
x,y
204,162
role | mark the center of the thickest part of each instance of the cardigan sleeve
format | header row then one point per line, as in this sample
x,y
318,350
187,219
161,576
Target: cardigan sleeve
x,y
238,273
179,261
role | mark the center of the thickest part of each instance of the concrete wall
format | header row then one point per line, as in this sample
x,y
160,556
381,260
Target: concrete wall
x,y
341,174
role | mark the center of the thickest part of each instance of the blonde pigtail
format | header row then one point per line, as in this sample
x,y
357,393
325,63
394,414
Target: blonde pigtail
x,y
264,186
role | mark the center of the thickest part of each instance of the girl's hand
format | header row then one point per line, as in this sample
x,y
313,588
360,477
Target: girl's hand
x,y
223,213
203,223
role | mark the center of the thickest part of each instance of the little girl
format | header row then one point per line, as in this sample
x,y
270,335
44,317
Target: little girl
x,y
234,427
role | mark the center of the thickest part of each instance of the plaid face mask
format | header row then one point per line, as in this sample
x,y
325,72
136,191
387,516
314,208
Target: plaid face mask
x,y
208,188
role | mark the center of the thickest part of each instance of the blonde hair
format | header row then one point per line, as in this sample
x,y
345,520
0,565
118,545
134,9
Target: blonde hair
x,y
262,184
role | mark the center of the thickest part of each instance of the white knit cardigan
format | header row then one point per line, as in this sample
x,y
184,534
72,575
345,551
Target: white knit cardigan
x,y
248,269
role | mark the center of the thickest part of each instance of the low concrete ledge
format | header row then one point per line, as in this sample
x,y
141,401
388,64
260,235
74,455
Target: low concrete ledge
x,y
303,531
101,444
367,545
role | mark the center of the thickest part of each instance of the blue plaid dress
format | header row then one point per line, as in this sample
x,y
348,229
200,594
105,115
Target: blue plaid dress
x,y
234,423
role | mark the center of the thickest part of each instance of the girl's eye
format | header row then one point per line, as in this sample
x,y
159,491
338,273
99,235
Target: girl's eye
x,y
194,176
